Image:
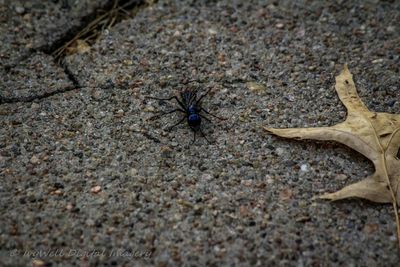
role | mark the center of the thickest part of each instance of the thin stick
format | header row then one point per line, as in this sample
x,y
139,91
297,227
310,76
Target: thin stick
x,y
113,13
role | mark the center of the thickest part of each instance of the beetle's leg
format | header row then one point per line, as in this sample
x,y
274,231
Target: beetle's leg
x,y
187,97
157,116
176,124
215,116
193,98
168,99
207,119
198,102
194,136
208,141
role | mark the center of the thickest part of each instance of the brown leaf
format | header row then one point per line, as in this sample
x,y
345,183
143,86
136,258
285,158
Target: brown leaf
x,y
375,135
78,47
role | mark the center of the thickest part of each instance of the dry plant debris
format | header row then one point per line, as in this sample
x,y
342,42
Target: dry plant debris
x,y
375,135
81,42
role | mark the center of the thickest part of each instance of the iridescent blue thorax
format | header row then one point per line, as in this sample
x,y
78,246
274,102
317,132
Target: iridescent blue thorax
x,y
194,119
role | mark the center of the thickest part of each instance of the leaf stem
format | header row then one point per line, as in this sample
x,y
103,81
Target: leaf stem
x,y
394,199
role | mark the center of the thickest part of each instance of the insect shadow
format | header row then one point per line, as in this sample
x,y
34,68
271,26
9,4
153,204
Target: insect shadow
x,y
190,106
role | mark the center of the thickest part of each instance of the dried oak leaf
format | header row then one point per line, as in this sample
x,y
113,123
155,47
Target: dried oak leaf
x,y
375,135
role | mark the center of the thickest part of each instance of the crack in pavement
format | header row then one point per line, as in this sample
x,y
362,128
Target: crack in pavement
x,y
62,41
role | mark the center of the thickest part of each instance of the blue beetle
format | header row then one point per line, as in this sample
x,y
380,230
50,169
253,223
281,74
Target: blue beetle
x,y
191,107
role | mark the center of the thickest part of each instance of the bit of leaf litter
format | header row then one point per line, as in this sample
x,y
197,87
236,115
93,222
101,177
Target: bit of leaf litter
x,y
255,87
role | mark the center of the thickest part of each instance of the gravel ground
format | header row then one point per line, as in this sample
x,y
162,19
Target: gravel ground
x,y
88,178
33,77
29,30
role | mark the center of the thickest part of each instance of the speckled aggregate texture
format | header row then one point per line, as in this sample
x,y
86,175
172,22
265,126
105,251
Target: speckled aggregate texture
x,y
34,24
27,29
36,76
86,172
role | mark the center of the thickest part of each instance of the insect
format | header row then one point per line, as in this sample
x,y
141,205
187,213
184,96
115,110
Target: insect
x,y
190,106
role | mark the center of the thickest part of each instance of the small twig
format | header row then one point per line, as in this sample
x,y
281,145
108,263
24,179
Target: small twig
x,y
103,21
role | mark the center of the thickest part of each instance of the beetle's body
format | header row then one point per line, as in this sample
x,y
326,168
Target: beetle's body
x,y
193,118
191,106
192,110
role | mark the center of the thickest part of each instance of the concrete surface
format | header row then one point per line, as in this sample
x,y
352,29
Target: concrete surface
x,y
30,29
89,180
